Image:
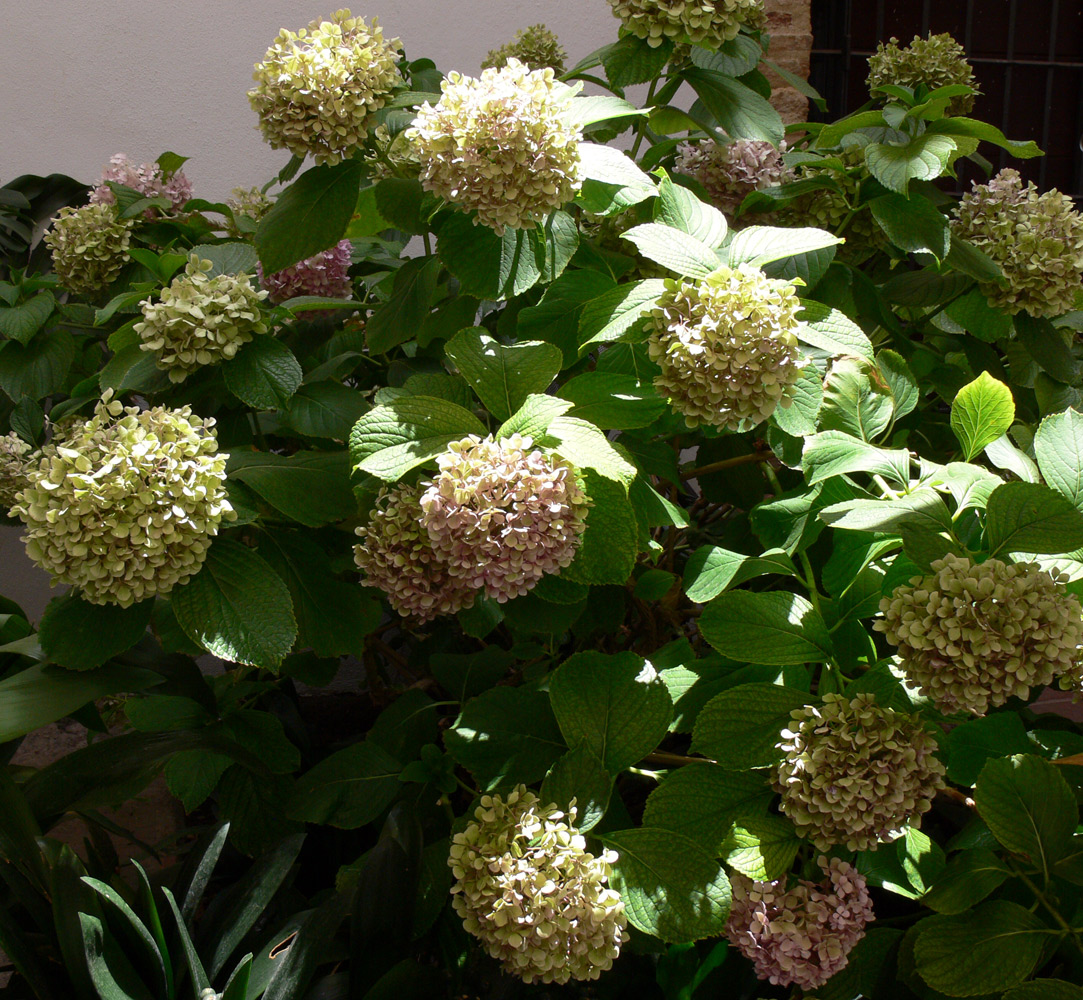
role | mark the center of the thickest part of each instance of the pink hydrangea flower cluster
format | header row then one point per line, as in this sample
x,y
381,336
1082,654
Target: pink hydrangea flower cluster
x,y
730,171
326,275
800,936
146,178
498,517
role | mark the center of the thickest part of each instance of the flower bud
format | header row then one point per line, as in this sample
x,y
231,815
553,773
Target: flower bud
x,y
528,889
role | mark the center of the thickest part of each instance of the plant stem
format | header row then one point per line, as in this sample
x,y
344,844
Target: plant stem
x,y
726,463
662,759
428,244
641,128
1065,927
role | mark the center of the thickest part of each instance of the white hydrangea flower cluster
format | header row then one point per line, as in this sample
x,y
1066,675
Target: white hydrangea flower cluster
x,y
855,773
498,517
972,635
803,935
501,145
318,89
727,346
124,505
526,886
200,320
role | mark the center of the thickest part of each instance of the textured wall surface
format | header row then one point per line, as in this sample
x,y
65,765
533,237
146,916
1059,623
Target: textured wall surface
x,y
107,76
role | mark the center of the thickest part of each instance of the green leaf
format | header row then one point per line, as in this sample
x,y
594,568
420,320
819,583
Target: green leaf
x,y
673,249
237,608
200,981
970,128
264,374
740,727
613,314
392,439
832,331
739,110
503,376
1045,989
679,208
490,266
900,381
922,509
325,410
1026,517
132,369
556,318
613,402
134,937
610,542
913,224
711,569
802,416
348,789
973,743
763,245
1058,446
834,453
192,775
991,948
982,411
923,158
586,447
968,878
632,60
113,975
311,487
855,401
505,736
309,216
596,108
1029,807
581,776
734,57
43,693
81,636
611,180
398,202
772,627
21,322
671,887
703,801
762,847
399,319
225,258
615,705
39,368
533,417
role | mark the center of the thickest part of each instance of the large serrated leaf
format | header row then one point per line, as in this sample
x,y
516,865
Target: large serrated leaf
x,y
774,628
503,376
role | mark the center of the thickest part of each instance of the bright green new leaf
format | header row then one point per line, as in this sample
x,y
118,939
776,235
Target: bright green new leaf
x,y
982,411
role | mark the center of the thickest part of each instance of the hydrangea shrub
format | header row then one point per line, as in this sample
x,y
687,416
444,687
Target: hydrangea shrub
x,y
698,504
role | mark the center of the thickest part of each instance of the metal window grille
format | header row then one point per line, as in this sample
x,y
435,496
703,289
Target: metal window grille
x,y
1027,57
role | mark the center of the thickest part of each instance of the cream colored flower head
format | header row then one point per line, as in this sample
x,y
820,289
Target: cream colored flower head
x,y
90,247
15,465
500,145
124,505
200,320
318,89
726,346
709,23
528,889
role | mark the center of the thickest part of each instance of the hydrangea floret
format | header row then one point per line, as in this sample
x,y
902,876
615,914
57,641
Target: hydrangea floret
x,y
15,466
318,89
972,635
325,275
200,320
395,554
855,773
500,145
503,514
936,61
147,178
801,935
528,889
709,23
726,346
536,47
90,247
1037,239
730,171
124,505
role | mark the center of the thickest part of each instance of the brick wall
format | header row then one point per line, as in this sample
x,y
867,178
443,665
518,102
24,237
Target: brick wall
x,y
789,23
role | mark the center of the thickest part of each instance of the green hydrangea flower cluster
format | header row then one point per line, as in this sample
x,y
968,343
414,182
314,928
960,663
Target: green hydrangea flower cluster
x,y
528,889
855,773
248,203
536,47
709,23
318,89
200,320
90,247
971,636
501,145
936,61
15,467
727,346
397,556
124,505
1037,239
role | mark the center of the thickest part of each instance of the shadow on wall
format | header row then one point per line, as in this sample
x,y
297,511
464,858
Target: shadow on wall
x,y
20,579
